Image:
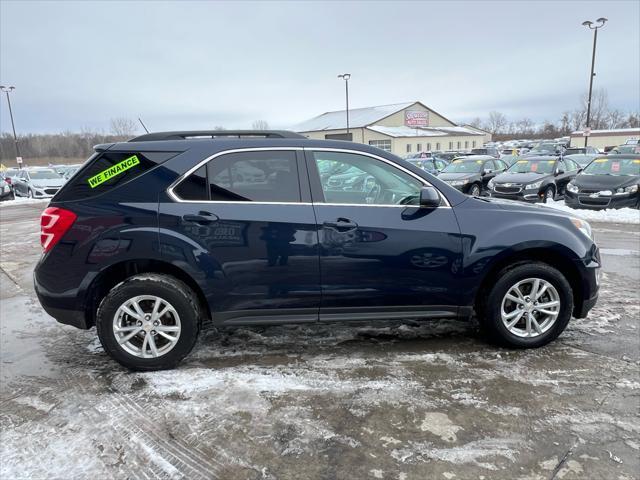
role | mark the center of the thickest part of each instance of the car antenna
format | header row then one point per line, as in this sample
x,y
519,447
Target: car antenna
x,y
143,125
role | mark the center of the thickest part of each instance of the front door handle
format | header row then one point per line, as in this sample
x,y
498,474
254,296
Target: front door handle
x,y
201,218
341,224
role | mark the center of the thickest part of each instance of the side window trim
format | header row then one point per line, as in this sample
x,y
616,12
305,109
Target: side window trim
x,y
301,185
316,186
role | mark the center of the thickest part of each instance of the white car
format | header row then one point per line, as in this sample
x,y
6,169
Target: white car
x,y
37,183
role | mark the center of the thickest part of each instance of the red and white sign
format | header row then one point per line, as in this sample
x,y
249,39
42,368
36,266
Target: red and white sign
x,y
416,118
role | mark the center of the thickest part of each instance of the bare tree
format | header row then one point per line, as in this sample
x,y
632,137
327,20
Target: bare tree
x,y
496,122
260,125
123,127
476,122
219,128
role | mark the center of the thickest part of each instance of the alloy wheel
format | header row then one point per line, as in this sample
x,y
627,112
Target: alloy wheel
x,y
146,326
530,307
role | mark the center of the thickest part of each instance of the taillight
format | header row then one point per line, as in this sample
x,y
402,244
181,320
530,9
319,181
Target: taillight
x,y
54,223
8,180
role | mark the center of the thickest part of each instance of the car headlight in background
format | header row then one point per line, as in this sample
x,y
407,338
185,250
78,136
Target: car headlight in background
x,y
626,190
534,185
583,226
458,183
572,188
491,184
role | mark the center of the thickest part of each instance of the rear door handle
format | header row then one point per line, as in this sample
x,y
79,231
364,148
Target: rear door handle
x,y
341,224
201,218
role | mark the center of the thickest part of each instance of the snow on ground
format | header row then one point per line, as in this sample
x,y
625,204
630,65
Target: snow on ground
x,y
611,215
23,200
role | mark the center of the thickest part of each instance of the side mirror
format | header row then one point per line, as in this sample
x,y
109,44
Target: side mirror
x,y
559,172
580,170
429,197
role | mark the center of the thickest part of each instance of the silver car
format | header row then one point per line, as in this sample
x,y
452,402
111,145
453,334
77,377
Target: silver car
x,y
37,183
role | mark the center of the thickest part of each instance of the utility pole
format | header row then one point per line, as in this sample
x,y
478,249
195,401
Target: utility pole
x,y
601,21
7,90
346,77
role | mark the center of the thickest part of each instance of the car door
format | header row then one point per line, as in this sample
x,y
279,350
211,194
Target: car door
x,y
563,175
23,178
243,225
488,172
380,258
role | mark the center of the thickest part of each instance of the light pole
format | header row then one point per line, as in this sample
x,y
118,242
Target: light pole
x,y
7,90
346,77
601,21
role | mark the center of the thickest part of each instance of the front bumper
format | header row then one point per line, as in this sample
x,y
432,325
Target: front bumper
x,y
590,271
586,201
523,195
45,192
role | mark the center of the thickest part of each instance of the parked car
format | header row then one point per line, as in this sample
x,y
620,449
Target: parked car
x,y
625,150
70,170
632,141
433,165
534,179
6,191
471,174
581,150
582,159
37,183
10,175
450,155
492,151
545,148
154,243
607,182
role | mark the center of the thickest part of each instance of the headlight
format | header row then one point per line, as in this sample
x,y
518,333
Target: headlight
x,y
458,183
583,226
491,184
534,185
630,189
572,188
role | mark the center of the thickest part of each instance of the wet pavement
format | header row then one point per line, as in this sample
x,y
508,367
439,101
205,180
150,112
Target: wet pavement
x,y
403,401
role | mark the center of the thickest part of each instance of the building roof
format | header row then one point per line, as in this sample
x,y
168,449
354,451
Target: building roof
x,y
613,131
397,132
358,118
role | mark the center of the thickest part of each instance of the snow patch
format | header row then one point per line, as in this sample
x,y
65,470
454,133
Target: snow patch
x,y
611,215
439,424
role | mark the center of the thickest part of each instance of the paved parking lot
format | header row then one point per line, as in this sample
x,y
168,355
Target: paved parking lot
x,y
392,401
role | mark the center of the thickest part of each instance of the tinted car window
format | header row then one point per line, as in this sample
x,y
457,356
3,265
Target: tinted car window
x,y
194,187
368,180
44,175
107,170
270,176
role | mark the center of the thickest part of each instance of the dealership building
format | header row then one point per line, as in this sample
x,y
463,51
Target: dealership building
x,y
401,128
604,138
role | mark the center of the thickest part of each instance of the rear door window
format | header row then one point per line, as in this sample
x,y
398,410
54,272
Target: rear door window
x,y
265,176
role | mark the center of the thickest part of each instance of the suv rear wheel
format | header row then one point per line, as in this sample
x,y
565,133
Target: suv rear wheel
x,y
149,322
528,306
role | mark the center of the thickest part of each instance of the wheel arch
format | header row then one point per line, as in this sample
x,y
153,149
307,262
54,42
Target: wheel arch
x,y
118,272
552,257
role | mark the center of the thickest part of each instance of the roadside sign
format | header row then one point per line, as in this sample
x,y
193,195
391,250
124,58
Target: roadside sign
x,y
19,160
586,132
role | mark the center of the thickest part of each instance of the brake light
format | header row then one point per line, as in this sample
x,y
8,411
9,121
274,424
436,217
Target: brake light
x,y
54,223
8,180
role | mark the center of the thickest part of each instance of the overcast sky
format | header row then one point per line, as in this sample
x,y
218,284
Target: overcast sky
x,y
183,65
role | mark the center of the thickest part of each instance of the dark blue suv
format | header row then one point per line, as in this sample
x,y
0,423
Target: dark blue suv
x,y
154,236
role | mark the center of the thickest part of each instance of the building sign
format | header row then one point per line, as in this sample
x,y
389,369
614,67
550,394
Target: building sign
x,y
416,118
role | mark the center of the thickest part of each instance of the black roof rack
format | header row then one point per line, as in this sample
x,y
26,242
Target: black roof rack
x,y
183,135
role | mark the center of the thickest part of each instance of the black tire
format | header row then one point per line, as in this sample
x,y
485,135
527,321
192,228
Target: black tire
x,y
490,304
170,289
549,194
475,190
30,193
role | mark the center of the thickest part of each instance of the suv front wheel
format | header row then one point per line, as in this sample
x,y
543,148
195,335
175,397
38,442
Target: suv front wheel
x,y
528,306
148,322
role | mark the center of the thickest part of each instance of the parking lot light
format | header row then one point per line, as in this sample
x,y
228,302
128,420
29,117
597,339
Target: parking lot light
x,y
7,90
346,77
593,26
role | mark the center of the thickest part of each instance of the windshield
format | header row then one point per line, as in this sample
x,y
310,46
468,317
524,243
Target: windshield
x,y
43,175
535,166
612,166
626,149
545,147
464,166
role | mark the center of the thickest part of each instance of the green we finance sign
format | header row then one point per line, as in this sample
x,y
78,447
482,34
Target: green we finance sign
x,y
113,171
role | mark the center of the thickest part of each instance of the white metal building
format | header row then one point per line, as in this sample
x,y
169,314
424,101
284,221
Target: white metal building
x,y
605,138
400,128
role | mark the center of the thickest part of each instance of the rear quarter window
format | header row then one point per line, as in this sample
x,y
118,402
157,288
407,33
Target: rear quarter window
x,y
107,170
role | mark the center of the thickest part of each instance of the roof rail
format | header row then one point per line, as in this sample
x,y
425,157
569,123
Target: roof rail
x,y
183,135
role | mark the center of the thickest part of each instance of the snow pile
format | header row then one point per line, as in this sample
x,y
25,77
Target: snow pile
x,y
23,200
622,215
